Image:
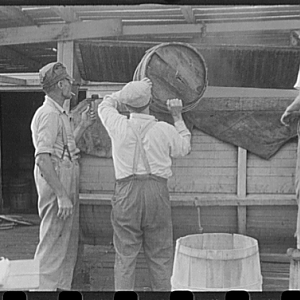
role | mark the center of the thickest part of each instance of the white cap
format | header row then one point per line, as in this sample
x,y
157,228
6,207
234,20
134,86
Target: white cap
x,y
135,94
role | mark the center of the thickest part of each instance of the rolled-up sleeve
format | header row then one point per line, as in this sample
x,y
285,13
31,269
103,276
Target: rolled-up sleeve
x,y
180,143
46,133
112,120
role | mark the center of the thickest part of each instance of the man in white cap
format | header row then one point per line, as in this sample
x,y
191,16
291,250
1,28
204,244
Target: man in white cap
x,y
141,212
56,175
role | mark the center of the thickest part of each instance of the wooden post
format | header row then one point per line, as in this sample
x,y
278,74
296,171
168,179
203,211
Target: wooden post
x,y
294,282
294,254
1,186
65,54
242,189
298,225
199,220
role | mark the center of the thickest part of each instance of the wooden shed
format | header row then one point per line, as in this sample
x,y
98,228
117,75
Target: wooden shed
x,y
219,186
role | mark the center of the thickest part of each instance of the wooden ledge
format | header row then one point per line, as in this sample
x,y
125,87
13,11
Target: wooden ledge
x,y
195,199
294,254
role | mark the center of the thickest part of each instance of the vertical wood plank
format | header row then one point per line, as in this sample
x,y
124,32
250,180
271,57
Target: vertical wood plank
x,y
199,219
1,186
294,279
242,189
298,227
65,55
242,219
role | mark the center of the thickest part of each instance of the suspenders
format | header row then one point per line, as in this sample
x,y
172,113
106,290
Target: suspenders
x,y
65,141
139,148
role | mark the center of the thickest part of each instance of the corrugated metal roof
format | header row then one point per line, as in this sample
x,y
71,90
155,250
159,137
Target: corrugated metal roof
x,y
28,57
260,67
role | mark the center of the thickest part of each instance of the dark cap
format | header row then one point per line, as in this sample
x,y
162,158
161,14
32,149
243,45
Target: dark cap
x,y
53,73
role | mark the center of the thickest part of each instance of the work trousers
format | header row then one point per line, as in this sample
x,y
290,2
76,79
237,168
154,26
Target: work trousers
x,y
58,238
141,216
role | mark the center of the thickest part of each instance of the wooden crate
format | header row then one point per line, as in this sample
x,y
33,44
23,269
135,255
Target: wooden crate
x,y
22,275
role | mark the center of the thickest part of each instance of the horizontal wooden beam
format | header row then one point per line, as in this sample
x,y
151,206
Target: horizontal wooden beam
x,y
11,80
223,92
210,28
66,13
20,88
188,14
15,13
193,199
254,26
113,27
60,32
161,29
210,92
249,200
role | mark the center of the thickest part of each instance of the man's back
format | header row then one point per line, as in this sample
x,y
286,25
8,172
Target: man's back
x,y
161,142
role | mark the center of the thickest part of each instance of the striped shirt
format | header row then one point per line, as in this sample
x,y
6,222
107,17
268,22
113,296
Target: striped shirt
x,y
161,142
47,130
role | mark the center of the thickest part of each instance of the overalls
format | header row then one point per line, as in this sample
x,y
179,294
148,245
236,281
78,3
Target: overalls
x,y
297,185
141,215
57,248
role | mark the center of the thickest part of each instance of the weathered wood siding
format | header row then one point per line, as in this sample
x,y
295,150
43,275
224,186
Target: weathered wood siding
x,y
97,228
273,176
218,187
273,221
209,168
97,174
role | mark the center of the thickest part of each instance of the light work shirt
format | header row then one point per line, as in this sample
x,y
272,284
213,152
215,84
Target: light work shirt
x,y
47,130
297,84
161,142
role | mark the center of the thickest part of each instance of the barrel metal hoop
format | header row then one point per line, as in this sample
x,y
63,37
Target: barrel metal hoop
x,y
230,254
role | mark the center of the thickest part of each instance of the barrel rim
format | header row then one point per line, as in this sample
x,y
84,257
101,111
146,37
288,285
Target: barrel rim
x,y
218,254
222,255
219,233
248,253
148,54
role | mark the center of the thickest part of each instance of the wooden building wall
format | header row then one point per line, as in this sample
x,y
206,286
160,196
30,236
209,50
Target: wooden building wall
x,y
209,168
273,176
218,187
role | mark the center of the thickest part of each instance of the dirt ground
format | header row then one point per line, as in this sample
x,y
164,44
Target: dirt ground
x,y
97,272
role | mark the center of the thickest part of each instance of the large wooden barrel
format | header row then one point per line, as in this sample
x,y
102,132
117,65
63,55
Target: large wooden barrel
x,y
177,70
216,262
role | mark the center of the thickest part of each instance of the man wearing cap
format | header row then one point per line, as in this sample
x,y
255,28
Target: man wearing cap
x,y
292,113
56,175
142,149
